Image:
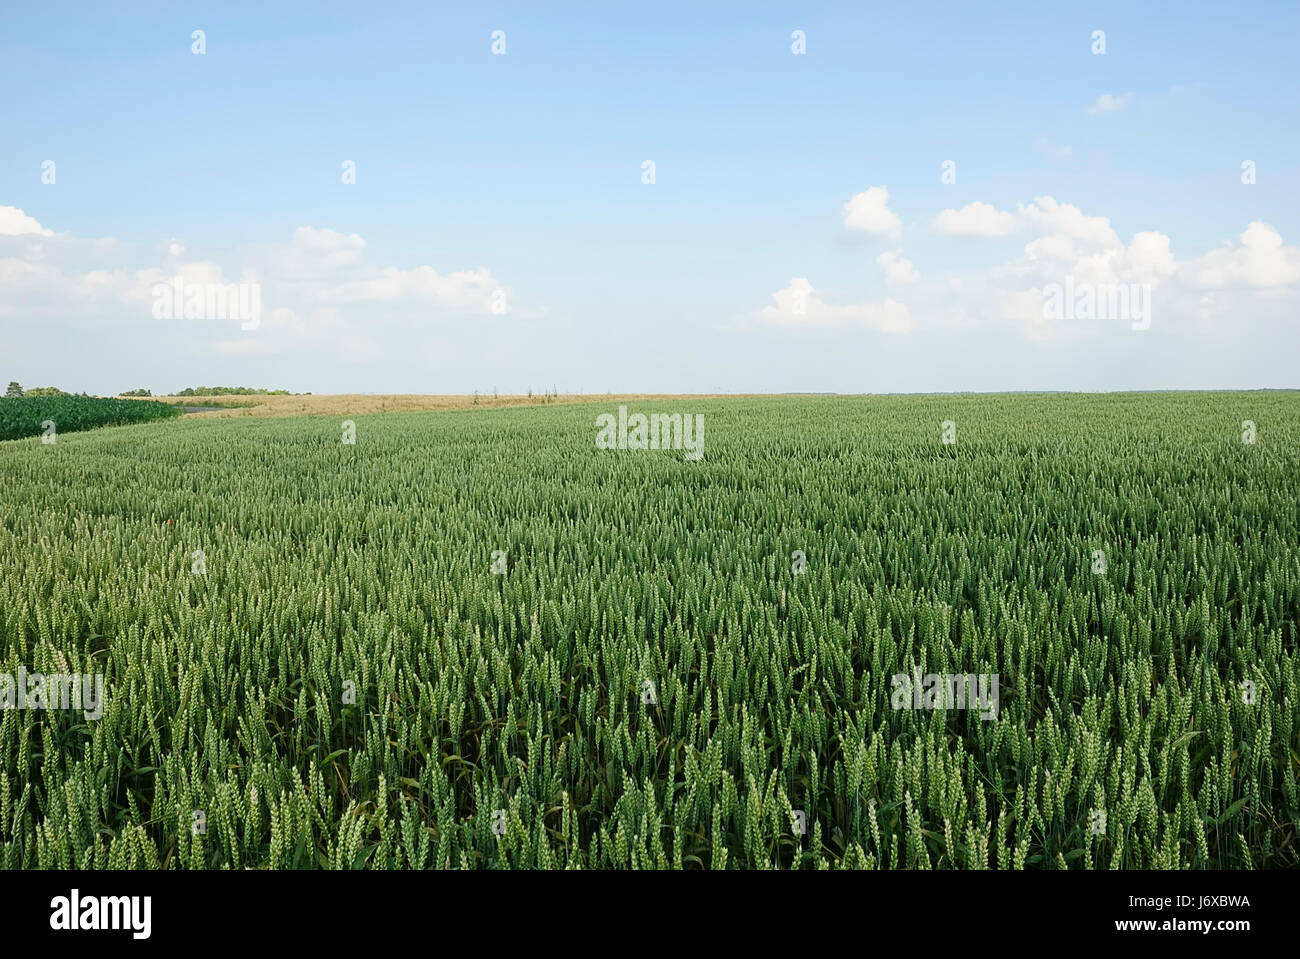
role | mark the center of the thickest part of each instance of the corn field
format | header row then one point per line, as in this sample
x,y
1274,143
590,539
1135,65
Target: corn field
x,y
22,416
474,640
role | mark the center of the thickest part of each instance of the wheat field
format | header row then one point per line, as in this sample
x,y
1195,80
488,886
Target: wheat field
x,y
473,639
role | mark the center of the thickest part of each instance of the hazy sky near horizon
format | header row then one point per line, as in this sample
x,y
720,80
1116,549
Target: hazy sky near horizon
x,y
800,233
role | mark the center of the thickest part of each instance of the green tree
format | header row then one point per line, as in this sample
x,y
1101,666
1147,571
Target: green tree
x,y
14,389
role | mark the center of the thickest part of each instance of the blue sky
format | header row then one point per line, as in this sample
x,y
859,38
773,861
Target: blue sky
x,y
522,173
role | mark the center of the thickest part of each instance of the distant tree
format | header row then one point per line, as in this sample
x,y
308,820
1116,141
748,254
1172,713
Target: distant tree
x,y
14,389
230,391
45,391
140,392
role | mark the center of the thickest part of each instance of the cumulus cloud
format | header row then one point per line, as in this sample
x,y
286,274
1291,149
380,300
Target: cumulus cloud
x,y
1069,246
1078,249
318,285
1259,261
869,212
14,222
1051,217
1065,247
1060,227
1109,103
466,289
314,258
335,248
1024,306
1147,259
897,269
800,306
977,219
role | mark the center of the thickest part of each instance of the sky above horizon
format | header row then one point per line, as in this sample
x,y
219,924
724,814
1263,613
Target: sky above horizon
x,y
897,208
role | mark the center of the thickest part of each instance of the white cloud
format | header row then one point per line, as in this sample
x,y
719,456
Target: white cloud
x,y
1063,219
799,306
1060,226
869,212
1083,250
897,269
467,289
316,291
977,219
1065,245
1109,103
329,243
14,271
1024,307
1070,246
1260,261
314,257
1147,259
1149,255
325,267
14,222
